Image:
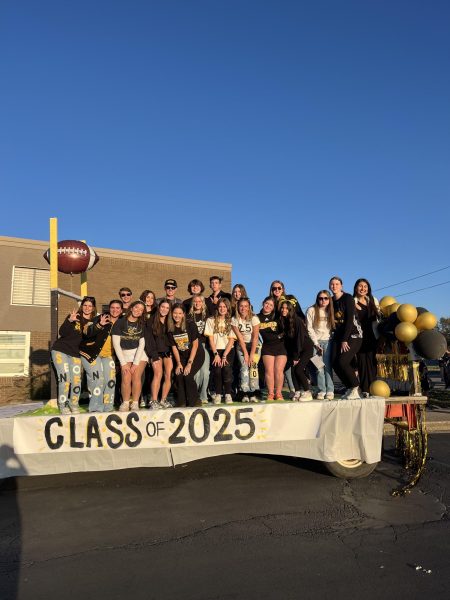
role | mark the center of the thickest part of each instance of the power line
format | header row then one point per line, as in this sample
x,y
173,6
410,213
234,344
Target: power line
x,y
425,288
412,279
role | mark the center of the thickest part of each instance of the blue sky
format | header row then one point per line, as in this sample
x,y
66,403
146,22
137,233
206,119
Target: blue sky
x,y
296,140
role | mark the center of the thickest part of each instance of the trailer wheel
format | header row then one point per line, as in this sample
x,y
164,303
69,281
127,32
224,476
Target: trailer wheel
x,y
352,468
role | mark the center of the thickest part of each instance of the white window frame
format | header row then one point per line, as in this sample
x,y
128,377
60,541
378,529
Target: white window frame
x,y
12,286
26,353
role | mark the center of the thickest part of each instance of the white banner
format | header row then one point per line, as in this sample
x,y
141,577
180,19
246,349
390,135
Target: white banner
x,y
191,427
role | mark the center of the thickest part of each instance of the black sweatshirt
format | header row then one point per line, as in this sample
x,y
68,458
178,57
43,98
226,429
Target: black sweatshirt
x,y
347,325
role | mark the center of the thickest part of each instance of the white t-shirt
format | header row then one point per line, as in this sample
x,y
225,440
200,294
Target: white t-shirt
x,y
220,338
245,327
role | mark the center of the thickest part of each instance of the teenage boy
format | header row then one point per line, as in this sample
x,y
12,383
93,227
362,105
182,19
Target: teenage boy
x,y
215,283
126,295
170,286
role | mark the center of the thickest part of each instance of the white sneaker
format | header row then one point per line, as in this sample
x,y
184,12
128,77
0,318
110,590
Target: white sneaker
x,y
354,394
321,396
165,403
254,399
329,395
217,399
296,397
245,398
228,399
306,396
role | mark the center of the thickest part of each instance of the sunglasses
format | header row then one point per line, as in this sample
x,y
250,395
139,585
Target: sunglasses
x,y
276,288
323,298
125,294
170,287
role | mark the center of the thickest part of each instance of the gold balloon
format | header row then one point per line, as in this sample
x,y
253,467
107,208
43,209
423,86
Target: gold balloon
x,y
426,320
407,313
385,302
406,332
379,388
392,308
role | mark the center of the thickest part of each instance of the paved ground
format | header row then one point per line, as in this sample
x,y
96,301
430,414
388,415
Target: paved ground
x,y
248,527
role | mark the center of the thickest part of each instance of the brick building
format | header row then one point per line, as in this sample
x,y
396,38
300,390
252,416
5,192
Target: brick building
x,y
25,314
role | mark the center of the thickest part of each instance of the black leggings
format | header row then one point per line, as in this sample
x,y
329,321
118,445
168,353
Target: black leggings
x,y
342,361
223,376
300,378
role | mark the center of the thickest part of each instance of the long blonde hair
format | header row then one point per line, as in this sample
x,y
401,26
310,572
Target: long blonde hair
x,y
329,311
227,317
204,312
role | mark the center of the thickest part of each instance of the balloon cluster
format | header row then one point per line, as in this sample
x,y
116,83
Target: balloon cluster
x,y
412,325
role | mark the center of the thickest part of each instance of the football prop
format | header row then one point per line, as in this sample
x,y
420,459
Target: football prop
x,y
379,388
426,321
406,332
74,257
407,313
430,344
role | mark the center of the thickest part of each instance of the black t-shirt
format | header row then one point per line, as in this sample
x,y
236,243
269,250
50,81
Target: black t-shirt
x,y
200,322
183,338
269,330
130,333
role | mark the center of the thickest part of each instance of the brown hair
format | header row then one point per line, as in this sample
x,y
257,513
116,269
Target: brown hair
x,y
330,310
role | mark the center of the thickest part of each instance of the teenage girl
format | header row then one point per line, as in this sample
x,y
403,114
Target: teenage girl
x,y
66,355
221,338
299,349
278,293
149,299
128,342
237,293
188,356
320,326
367,312
347,338
97,357
198,314
273,351
158,348
246,327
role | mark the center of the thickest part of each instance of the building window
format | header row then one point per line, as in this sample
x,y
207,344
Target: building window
x,y
30,287
14,353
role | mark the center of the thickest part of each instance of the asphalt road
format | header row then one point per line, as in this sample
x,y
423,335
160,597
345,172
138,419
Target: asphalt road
x,y
249,527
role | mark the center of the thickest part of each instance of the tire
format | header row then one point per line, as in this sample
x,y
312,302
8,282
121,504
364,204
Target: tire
x,y
350,469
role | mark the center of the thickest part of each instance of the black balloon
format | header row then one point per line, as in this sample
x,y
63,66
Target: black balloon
x,y
430,344
420,310
386,327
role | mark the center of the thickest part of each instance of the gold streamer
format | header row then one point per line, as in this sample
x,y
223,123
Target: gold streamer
x,y
413,445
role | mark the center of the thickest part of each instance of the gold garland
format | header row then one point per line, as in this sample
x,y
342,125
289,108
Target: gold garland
x,y
413,445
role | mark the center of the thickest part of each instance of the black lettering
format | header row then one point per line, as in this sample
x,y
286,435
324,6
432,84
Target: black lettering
x,y
244,421
62,377
95,375
111,383
73,434
221,436
206,425
128,441
53,445
112,420
152,427
93,433
174,438
159,426
76,390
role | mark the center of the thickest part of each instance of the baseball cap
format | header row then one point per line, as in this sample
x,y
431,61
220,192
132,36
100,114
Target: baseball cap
x,y
170,282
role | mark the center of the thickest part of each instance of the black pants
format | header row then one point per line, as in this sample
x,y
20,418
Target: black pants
x,y
299,372
186,388
343,362
367,369
223,376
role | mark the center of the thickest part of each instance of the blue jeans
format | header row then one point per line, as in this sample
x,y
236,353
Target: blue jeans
x,y
101,382
247,383
201,378
68,375
325,375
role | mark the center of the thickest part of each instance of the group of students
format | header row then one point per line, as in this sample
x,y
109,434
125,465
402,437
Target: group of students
x,y
206,348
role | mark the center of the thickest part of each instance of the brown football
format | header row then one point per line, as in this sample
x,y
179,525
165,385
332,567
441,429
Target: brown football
x,y
74,257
